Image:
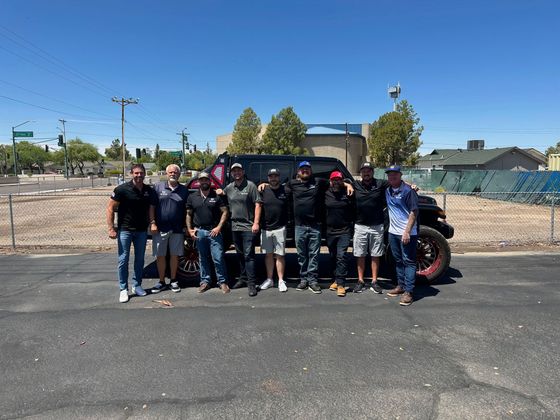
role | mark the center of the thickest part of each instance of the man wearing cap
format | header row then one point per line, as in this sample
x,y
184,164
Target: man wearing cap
x,y
369,226
242,197
135,204
340,209
169,226
274,209
402,203
206,216
308,195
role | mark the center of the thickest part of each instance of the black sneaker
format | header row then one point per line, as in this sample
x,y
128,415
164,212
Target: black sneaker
x,y
252,290
302,285
376,288
239,284
359,287
315,288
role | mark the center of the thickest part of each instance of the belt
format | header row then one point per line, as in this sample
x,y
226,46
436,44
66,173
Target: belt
x,y
206,227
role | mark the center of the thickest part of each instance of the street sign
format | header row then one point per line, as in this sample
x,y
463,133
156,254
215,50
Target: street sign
x,y
23,133
176,154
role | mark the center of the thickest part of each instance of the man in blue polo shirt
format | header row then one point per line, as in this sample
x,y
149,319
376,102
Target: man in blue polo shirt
x,y
168,228
402,203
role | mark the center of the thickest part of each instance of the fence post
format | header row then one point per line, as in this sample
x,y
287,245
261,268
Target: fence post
x,y
552,219
12,221
444,201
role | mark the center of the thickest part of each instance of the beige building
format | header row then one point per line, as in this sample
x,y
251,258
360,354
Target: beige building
x,y
326,140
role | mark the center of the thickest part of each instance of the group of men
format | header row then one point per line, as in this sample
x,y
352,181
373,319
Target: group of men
x,y
353,212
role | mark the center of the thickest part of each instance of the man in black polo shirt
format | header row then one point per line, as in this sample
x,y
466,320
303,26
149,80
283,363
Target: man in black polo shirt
x,y
168,231
135,204
274,205
340,208
369,227
206,215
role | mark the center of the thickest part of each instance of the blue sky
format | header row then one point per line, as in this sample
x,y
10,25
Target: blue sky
x,y
472,70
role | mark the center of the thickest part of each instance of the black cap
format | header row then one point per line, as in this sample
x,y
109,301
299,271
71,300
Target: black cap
x,y
274,171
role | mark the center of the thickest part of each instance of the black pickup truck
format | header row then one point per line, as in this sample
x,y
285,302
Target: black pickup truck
x,y
433,255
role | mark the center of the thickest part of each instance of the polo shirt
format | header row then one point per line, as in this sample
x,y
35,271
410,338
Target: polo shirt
x,y
370,202
274,208
171,208
309,199
241,200
401,203
206,210
134,205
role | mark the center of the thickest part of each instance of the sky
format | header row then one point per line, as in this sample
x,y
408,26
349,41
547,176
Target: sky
x,y
471,70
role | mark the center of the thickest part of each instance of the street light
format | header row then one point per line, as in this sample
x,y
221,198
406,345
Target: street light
x,y
14,144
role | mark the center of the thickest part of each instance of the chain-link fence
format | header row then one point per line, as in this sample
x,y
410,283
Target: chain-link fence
x,y
77,220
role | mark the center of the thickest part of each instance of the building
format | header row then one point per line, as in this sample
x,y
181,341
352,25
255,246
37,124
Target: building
x,y
326,140
477,157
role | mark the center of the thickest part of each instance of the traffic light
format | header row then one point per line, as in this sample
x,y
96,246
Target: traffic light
x,y
47,148
60,140
138,153
194,147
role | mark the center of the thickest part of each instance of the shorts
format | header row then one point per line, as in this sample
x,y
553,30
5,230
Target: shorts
x,y
368,240
162,240
274,241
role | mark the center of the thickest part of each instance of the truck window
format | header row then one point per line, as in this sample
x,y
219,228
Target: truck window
x,y
258,171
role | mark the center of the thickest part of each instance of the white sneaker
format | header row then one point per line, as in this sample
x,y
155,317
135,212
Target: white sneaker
x,y
123,296
158,287
282,286
175,286
138,291
266,284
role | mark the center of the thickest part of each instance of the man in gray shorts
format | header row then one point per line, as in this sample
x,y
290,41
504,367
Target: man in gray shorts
x,y
368,229
274,216
168,228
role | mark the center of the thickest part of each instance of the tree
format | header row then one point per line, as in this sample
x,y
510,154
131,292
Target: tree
x,y
200,159
5,159
164,159
156,152
79,153
31,156
553,150
284,134
114,152
395,137
245,137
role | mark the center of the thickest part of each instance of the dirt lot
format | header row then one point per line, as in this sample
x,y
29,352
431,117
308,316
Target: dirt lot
x,y
76,220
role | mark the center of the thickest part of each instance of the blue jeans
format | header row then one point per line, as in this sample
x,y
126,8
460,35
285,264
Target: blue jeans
x,y
245,247
124,239
308,244
405,260
338,247
209,247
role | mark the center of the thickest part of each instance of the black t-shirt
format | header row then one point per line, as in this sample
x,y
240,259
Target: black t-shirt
x,y
309,199
340,209
206,211
134,205
370,202
274,208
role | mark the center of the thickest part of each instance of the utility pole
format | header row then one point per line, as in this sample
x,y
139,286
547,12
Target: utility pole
x,y
346,140
124,102
63,121
184,140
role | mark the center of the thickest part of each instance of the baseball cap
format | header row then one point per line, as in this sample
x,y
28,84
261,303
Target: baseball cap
x,y
274,171
393,168
203,175
336,174
366,165
304,163
236,165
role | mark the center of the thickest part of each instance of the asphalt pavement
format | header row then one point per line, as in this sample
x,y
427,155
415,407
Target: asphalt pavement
x,y
484,343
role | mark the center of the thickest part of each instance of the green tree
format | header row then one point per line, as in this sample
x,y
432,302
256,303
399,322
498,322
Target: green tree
x,y
156,152
164,159
5,159
200,159
114,152
245,137
31,156
395,137
79,152
552,150
284,134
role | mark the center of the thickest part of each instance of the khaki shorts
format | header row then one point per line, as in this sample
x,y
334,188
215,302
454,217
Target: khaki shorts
x,y
274,241
368,240
162,240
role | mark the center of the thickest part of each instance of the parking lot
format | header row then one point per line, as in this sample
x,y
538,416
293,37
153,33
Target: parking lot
x,y
481,344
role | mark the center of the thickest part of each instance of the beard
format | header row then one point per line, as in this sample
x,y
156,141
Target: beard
x,y
204,187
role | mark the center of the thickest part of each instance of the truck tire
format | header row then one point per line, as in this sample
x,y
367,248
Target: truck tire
x,y
189,266
433,255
